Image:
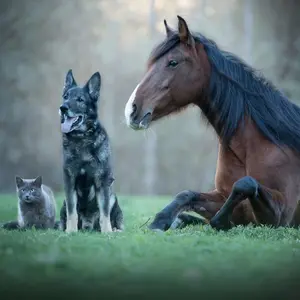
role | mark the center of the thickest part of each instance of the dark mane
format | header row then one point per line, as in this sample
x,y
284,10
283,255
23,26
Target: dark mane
x,y
238,90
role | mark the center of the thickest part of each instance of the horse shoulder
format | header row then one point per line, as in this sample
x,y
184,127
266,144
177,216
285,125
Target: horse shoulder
x,y
276,168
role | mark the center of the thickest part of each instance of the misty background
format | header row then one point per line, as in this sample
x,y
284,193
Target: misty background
x,y
42,39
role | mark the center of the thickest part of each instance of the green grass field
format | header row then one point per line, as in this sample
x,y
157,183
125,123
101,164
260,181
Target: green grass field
x,y
251,263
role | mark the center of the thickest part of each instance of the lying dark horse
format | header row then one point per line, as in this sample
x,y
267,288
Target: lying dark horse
x,y
258,169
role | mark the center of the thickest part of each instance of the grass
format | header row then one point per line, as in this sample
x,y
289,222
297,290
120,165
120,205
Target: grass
x,y
245,263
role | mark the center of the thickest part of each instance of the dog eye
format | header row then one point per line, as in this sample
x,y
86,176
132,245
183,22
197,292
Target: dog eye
x,y
65,96
172,63
80,99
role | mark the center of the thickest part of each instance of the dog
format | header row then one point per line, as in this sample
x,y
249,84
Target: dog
x,y
87,168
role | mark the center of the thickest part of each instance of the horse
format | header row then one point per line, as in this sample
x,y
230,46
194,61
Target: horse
x,y
257,177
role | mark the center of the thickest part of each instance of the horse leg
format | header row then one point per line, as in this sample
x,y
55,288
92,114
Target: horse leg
x,y
205,204
266,204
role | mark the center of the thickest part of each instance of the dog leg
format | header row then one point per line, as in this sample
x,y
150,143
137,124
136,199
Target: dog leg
x,y
103,200
71,204
72,216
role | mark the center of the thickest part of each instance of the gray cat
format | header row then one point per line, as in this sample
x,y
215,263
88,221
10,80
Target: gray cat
x,y
36,205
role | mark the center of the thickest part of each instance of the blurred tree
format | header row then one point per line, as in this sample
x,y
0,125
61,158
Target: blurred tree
x,y
278,42
286,22
248,29
150,144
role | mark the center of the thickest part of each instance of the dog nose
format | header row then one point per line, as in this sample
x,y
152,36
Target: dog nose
x,y
63,108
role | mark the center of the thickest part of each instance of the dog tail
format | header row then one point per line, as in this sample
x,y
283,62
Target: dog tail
x,y
116,215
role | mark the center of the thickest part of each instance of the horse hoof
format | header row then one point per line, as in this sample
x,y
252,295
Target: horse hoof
x,y
160,223
220,224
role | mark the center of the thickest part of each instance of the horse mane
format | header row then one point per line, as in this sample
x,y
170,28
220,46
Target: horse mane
x,y
238,90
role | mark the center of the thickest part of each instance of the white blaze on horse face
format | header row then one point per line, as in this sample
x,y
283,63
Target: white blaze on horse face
x,y
129,107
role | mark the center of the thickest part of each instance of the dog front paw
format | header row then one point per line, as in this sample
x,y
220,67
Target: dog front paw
x,y
70,230
105,227
71,226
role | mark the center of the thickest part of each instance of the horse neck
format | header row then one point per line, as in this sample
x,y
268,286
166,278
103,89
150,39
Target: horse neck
x,y
223,105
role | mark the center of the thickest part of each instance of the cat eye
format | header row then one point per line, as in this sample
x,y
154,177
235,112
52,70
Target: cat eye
x,y
172,63
32,190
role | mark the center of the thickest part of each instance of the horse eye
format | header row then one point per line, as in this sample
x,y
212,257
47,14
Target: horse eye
x,y
172,63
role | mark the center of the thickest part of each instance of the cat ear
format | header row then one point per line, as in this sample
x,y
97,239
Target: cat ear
x,y
38,181
19,181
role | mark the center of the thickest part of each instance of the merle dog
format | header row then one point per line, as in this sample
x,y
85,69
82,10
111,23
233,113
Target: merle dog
x,y
88,177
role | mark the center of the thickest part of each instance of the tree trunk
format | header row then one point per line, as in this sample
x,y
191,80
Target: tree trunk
x,y
151,143
248,30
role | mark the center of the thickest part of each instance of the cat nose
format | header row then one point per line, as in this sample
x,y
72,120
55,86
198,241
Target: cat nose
x,y
26,197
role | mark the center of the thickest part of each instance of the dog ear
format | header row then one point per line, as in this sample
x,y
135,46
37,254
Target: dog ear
x,y
38,181
93,86
19,181
69,81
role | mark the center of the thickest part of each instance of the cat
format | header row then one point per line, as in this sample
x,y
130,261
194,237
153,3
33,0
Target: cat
x,y
36,205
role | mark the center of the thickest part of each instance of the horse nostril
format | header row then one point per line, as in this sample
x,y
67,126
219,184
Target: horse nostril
x,y
146,120
134,112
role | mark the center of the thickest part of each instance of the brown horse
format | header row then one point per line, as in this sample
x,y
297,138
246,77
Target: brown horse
x,y
258,169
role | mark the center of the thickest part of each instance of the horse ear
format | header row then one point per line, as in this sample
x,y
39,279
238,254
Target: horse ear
x,y
93,86
69,81
184,33
169,31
